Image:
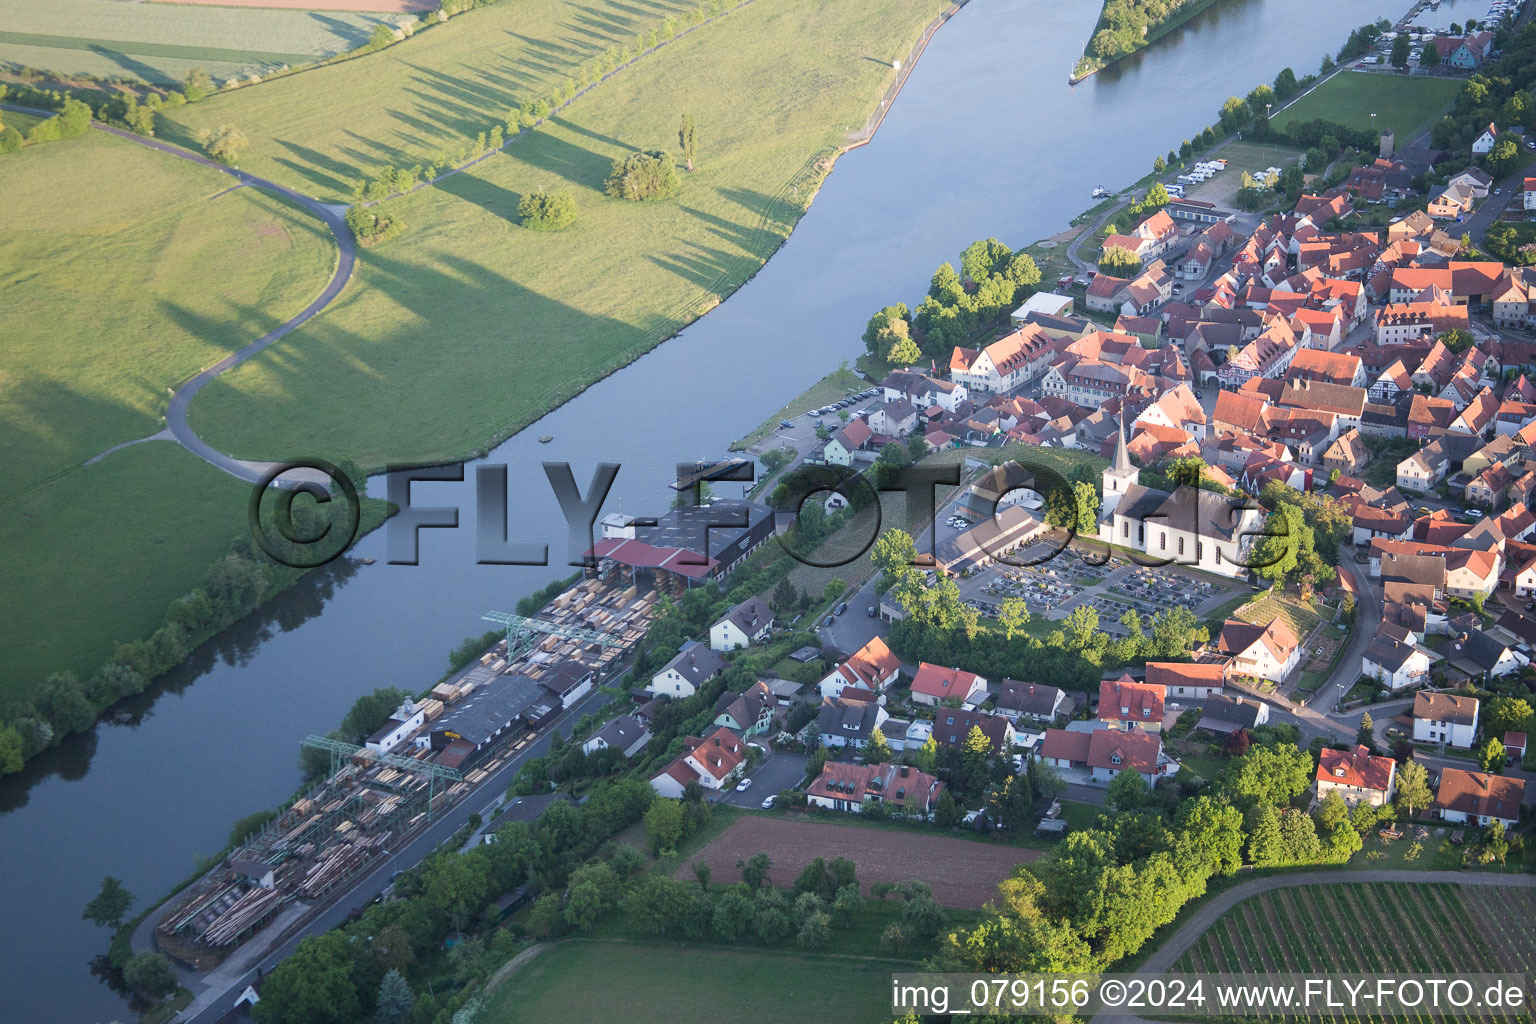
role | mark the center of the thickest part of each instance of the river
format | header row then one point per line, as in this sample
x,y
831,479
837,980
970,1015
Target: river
x,y
986,139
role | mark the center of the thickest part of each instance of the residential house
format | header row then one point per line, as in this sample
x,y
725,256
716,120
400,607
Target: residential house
x,y
935,684
1341,368
1127,704
952,727
1347,454
1445,718
689,669
848,787
893,419
1476,798
844,722
1108,752
713,761
872,667
626,734
1482,656
854,435
1195,680
1484,143
1393,659
1356,775
1034,702
747,623
749,713
1224,714
1269,651
1006,364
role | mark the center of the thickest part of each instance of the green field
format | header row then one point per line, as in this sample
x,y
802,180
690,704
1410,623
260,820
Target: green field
x,y
94,556
1402,103
640,985
161,42
466,328
323,131
110,303
1378,927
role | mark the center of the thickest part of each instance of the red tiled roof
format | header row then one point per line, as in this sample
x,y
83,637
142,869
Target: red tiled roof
x,y
1358,767
1124,700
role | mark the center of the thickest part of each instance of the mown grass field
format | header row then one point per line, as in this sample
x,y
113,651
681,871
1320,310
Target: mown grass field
x,y
161,42
639,985
94,556
1376,927
327,129
468,326
1405,104
110,303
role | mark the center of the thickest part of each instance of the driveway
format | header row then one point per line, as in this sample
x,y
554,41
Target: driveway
x,y
776,773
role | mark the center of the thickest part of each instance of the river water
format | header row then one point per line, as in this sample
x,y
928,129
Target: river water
x,y
986,139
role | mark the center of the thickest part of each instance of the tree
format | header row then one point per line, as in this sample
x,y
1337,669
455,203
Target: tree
x,y
1429,56
1401,48
63,705
1504,157
1276,553
1127,791
396,1000
903,352
1413,791
197,84
894,936
946,814
547,211
1022,271
1285,84
110,904
687,140
873,339
981,259
644,177
834,589
1118,261
1492,757
1268,774
1012,614
701,871
755,871
878,748
847,902
1159,165
922,916
1366,736
150,974
11,758
664,825
815,931
223,143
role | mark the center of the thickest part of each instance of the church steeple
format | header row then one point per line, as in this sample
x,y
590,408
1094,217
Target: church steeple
x,y
1120,475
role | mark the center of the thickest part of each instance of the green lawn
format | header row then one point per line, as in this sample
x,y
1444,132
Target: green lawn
x,y
112,302
640,984
1402,103
324,130
420,345
157,42
94,556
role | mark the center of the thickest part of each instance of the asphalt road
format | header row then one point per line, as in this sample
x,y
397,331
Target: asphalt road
x,y
776,773
210,1005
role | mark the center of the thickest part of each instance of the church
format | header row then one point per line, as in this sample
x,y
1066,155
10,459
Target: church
x,y
1192,527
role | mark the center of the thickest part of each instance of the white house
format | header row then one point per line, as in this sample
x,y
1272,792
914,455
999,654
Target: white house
x,y
1445,718
625,733
693,666
748,623
1195,680
934,684
1262,652
872,667
1394,661
1358,776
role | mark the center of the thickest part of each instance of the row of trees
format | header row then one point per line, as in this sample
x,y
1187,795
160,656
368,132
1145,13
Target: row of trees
x,y
76,108
1126,25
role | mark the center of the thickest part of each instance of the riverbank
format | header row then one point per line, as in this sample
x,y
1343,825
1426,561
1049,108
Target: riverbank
x,y
1087,66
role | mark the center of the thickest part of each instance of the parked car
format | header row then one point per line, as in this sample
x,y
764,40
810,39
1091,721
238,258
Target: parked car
x,y
871,611
767,802
743,785
785,424
1424,510
1472,513
842,607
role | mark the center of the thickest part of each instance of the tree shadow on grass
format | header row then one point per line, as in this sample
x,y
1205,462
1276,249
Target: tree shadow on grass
x,y
132,65
702,267
576,129
740,235
490,197
324,171
549,152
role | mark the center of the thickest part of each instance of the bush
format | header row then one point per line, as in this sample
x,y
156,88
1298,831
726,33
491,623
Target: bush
x,y
643,177
547,211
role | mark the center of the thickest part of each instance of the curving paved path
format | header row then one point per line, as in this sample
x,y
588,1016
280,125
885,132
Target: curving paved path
x,y
334,218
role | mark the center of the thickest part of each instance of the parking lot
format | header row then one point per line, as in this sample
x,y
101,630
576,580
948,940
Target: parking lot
x,y
777,772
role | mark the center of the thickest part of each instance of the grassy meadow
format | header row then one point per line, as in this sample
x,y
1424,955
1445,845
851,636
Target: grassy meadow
x,y
325,130
161,42
468,326
110,303
639,985
1402,103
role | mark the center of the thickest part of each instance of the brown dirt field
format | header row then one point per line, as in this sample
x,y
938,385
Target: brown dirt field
x,y
963,873
370,6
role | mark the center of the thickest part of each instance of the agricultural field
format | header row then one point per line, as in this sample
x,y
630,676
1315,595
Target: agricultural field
x,y
160,43
640,985
1375,927
1405,104
197,271
881,855
771,86
324,131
